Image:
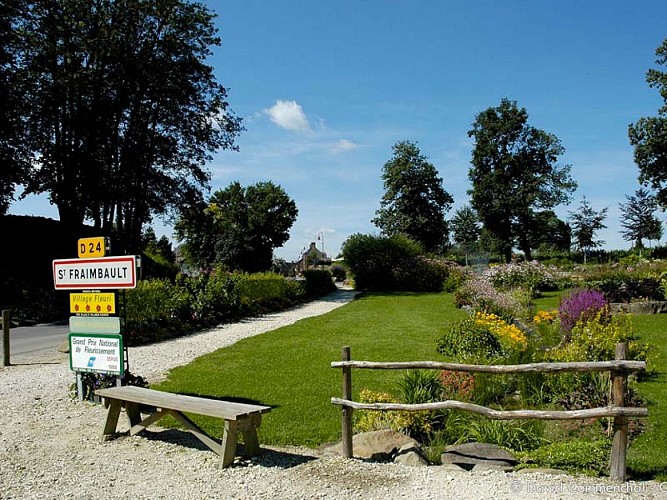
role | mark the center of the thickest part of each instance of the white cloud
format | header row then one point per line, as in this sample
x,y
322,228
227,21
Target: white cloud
x,y
343,145
289,115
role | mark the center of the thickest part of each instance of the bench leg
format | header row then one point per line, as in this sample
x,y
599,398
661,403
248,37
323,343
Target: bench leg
x,y
133,413
112,420
249,428
229,440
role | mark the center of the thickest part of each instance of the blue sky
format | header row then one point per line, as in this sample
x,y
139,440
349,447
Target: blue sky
x,y
326,88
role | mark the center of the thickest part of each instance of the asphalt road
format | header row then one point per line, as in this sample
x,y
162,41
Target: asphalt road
x,y
38,344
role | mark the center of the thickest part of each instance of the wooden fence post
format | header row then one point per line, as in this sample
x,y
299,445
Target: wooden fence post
x,y
347,411
6,318
617,469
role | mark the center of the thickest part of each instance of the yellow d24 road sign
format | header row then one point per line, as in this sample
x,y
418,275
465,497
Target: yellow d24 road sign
x,y
93,247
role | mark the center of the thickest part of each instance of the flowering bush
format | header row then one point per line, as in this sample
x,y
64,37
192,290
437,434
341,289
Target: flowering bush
x,y
580,305
510,336
531,276
411,423
467,341
457,385
479,294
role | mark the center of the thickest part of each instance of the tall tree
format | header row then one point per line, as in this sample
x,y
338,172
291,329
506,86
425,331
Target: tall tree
x,y
638,218
239,228
648,135
465,229
415,202
549,233
14,150
585,222
514,174
123,109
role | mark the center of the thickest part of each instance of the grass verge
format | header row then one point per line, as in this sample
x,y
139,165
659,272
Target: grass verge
x,y
290,370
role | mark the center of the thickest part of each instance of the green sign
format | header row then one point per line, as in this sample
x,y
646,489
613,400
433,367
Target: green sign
x,y
98,353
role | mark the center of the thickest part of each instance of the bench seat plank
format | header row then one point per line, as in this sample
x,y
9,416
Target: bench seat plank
x,y
227,410
238,417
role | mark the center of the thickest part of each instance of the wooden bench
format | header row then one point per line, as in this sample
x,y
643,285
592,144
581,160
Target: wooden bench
x,y
238,417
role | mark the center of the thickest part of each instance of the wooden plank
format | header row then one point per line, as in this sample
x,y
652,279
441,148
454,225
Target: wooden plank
x,y
609,411
112,420
151,419
227,410
617,467
579,366
198,432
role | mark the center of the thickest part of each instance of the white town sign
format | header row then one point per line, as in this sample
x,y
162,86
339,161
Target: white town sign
x,y
95,274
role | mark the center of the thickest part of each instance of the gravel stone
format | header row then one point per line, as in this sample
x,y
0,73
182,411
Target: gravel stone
x,y
50,446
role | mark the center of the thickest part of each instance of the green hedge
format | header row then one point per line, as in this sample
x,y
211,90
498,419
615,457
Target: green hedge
x,y
158,308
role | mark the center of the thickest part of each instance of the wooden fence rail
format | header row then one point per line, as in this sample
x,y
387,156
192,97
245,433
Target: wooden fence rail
x,y
619,369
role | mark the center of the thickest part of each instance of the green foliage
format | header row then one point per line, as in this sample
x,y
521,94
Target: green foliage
x,y
469,342
514,173
394,263
576,456
86,99
158,309
515,435
531,276
90,382
585,223
318,282
238,228
648,135
638,218
414,203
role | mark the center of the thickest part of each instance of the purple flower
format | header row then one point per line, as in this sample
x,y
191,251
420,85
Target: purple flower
x,y
580,305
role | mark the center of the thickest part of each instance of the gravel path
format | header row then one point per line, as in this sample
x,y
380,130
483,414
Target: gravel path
x,y
50,446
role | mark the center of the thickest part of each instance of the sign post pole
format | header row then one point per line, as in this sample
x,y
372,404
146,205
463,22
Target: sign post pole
x,y
96,332
5,337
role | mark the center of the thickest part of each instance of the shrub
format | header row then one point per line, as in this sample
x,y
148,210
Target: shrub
x,y
415,424
468,341
578,456
531,276
579,305
318,282
629,289
479,294
459,386
394,263
90,382
515,435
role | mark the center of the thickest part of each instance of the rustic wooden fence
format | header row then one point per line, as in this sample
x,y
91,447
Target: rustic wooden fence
x,y
619,369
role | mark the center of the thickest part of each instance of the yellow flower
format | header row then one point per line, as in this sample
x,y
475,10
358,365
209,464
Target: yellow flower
x,y
545,316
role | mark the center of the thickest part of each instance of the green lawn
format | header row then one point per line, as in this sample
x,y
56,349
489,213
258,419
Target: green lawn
x,y
290,368
647,456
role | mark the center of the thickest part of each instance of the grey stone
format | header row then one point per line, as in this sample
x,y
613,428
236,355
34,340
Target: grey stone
x,y
468,455
410,454
377,446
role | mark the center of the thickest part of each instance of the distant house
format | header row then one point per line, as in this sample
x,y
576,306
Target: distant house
x,y
312,258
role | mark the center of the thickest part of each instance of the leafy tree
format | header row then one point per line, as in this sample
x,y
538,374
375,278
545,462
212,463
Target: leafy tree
x,y
121,108
514,175
648,135
638,218
14,153
549,233
239,227
415,202
465,228
585,223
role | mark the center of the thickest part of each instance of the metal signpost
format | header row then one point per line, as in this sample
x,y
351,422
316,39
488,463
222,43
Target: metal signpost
x,y
96,336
